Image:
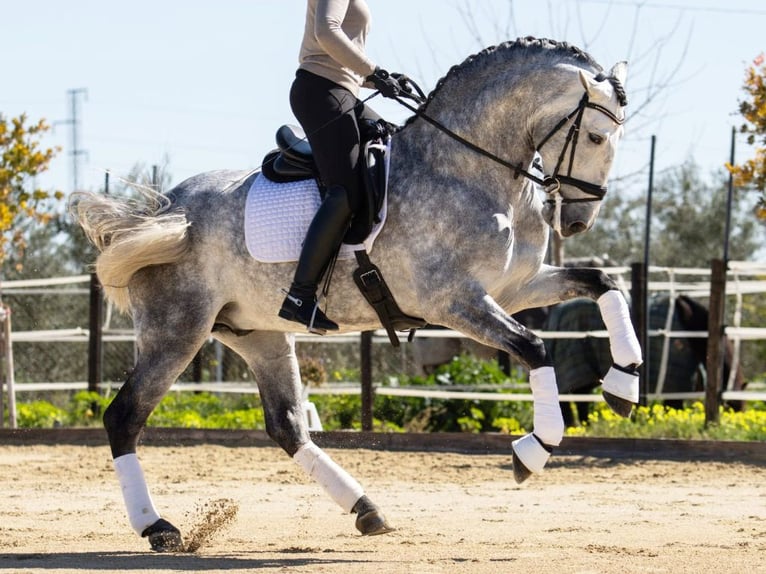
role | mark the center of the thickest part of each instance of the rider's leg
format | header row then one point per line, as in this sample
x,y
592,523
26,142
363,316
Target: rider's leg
x,y
326,112
322,241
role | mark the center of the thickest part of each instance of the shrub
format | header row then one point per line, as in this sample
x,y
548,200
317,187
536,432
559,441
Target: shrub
x,y
413,414
86,409
658,421
205,410
39,414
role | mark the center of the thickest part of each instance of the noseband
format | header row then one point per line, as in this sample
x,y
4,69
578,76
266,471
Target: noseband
x,y
550,183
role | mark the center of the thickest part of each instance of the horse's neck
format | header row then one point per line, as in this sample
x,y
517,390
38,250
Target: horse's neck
x,y
431,165
495,215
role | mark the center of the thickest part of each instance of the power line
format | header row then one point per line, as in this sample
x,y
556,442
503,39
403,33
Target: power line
x,y
684,7
74,121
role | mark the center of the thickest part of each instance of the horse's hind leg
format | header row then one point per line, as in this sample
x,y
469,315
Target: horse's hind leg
x,y
271,357
166,345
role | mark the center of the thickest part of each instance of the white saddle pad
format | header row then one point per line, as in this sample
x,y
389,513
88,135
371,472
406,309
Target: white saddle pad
x,y
278,215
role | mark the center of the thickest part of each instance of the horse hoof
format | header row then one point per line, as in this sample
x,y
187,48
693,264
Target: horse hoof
x,y
530,455
618,405
163,537
370,521
520,471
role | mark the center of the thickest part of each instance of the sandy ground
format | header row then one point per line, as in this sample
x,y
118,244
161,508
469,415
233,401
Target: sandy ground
x,y
62,511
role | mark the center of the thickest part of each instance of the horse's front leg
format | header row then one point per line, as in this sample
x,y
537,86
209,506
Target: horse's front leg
x,y
555,284
482,319
271,357
620,384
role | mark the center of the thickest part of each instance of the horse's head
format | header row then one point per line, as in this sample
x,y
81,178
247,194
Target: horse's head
x,y
578,150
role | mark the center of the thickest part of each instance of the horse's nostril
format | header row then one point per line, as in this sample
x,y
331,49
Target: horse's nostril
x,y
577,227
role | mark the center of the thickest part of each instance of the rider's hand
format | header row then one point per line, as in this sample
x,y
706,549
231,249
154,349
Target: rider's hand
x,y
401,81
385,83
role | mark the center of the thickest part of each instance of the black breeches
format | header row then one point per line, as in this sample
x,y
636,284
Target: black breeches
x,y
330,116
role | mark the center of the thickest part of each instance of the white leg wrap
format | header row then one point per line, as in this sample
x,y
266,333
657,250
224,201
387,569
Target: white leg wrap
x,y
339,484
623,342
531,453
621,384
141,511
548,420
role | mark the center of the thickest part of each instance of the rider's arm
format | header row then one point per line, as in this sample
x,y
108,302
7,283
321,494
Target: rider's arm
x,y
330,15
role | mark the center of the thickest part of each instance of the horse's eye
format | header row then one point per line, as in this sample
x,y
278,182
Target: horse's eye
x,y
595,138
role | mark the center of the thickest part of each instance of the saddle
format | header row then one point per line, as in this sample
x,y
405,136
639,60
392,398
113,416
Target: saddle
x,y
293,160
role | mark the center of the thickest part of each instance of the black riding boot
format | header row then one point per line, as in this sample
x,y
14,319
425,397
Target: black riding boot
x,y
323,238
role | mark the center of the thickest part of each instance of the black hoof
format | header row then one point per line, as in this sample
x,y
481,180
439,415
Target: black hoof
x,y
520,472
164,537
369,520
618,405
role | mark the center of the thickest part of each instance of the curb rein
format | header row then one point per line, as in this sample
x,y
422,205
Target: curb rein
x,y
551,183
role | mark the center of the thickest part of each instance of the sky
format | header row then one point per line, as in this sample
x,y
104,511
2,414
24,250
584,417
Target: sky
x,y
200,85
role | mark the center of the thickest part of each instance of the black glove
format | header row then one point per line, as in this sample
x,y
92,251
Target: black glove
x,y
402,81
384,83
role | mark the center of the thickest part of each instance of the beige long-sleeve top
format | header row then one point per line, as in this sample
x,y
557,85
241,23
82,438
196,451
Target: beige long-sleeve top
x,y
334,41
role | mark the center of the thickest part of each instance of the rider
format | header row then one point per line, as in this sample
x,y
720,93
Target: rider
x,y
333,66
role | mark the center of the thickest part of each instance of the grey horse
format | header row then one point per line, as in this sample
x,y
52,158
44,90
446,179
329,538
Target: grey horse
x,y
463,247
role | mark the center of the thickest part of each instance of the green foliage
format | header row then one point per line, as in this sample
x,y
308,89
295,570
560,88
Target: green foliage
x,y
687,222
753,109
509,426
39,415
688,216
87,408
416,414
204,410
21,159
464,370
657,421
339,411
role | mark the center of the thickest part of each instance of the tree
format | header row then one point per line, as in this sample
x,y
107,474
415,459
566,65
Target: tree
x,y
689,218
687,225
752,173
61,248
21,158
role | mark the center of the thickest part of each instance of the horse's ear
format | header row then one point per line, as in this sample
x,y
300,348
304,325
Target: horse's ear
x,y
619,71
586,82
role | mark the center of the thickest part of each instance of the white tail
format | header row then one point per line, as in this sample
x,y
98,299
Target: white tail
x,y
130,235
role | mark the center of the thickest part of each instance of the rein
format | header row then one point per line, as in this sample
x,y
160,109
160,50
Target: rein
x,y
551,183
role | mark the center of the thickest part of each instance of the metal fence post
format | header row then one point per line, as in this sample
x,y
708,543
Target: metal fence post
x,y
639,317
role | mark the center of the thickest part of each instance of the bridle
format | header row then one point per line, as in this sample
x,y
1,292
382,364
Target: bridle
x,y
552,183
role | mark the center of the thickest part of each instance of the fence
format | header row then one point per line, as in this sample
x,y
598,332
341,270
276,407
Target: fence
x,y
64,339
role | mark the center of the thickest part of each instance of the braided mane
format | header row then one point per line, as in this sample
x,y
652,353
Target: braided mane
x,y
530,43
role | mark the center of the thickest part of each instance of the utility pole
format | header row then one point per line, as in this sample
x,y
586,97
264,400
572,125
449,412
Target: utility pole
x,y
74,121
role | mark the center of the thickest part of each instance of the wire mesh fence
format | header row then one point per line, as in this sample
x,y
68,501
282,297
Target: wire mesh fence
x,y
50,321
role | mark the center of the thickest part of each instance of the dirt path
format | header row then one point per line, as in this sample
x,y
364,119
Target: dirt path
x,y
62,511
